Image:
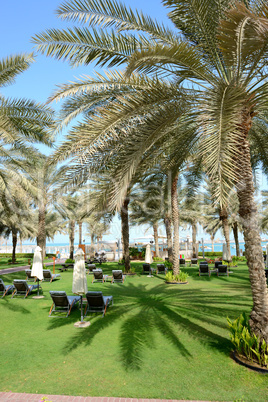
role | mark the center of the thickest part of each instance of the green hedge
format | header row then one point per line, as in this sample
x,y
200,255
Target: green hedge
x,y
211,253
23,255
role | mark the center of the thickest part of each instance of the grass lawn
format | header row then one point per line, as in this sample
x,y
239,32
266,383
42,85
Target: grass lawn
x,y
157,341
21,261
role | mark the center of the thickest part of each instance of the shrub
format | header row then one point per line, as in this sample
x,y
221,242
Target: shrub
x,y
168,264
182,277
158,259
134,252
246,343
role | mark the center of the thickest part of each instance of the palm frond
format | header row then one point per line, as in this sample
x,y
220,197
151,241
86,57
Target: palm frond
x,y
111,13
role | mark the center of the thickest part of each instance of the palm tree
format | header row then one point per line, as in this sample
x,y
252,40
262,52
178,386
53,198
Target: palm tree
x,y
21,121
16,213
215,65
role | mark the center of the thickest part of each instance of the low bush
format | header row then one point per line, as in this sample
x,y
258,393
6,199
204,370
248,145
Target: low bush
x,y
182,277
158,259
69,261
246,343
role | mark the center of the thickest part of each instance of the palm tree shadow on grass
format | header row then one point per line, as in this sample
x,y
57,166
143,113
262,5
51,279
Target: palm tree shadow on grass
x,y
142,311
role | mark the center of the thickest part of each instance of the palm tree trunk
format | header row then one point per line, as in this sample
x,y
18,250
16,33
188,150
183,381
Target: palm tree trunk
x,y
92,244
251,231
41,234
194,231
155,228
212,243
125,233
235,232
14,244
71,238
80,232
175,221
226,231
167,222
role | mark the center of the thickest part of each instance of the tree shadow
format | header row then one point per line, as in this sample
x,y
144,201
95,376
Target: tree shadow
x,y
142,310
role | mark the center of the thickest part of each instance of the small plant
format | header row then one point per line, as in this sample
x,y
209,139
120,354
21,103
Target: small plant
x,y
158,259
169,277
168,264
181,277
44,399
132,270
246,343
69,261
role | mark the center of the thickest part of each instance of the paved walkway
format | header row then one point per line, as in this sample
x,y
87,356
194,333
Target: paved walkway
x,y
9,396
16,269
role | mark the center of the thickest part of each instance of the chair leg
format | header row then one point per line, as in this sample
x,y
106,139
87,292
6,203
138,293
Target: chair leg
x,y
13,294
50,310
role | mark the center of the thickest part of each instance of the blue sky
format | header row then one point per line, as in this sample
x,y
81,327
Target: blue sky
x,y
20,20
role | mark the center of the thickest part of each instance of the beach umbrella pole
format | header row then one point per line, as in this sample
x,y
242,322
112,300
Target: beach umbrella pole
x,y
82,318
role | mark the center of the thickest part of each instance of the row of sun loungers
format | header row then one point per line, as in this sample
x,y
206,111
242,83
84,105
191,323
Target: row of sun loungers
x,y
95,303
48,276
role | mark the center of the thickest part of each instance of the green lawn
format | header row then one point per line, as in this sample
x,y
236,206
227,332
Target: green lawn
x,y
157,341
20,261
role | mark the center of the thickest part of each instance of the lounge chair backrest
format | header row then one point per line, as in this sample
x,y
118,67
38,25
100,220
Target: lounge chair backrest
x,y
21,285
146,267
161,267
222,268
98,274
47,273
117,274
217,263
95,300
59,298
2,286
91,267
203,268
28,272
203,263
194,261
182,261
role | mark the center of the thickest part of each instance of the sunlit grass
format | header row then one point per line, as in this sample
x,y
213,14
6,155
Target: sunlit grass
x,y
157,341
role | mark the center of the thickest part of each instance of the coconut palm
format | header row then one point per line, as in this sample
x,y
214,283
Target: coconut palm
x,y
216,64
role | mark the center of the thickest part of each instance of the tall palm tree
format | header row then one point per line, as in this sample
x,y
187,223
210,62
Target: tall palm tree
x,y
215,63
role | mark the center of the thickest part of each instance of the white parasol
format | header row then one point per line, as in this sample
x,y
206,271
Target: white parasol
x,y
80,282
37,268
148,255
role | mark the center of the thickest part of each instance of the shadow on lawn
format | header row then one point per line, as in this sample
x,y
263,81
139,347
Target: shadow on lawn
x,y
141,311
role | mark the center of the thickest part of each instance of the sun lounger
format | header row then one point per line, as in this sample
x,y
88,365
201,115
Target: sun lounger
x,y
91,267
182,262
49,277
62,303
22,288
118,276
98,276
161,269
222,270
146,269
194,262
204,269
97,303
29,276
5,289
